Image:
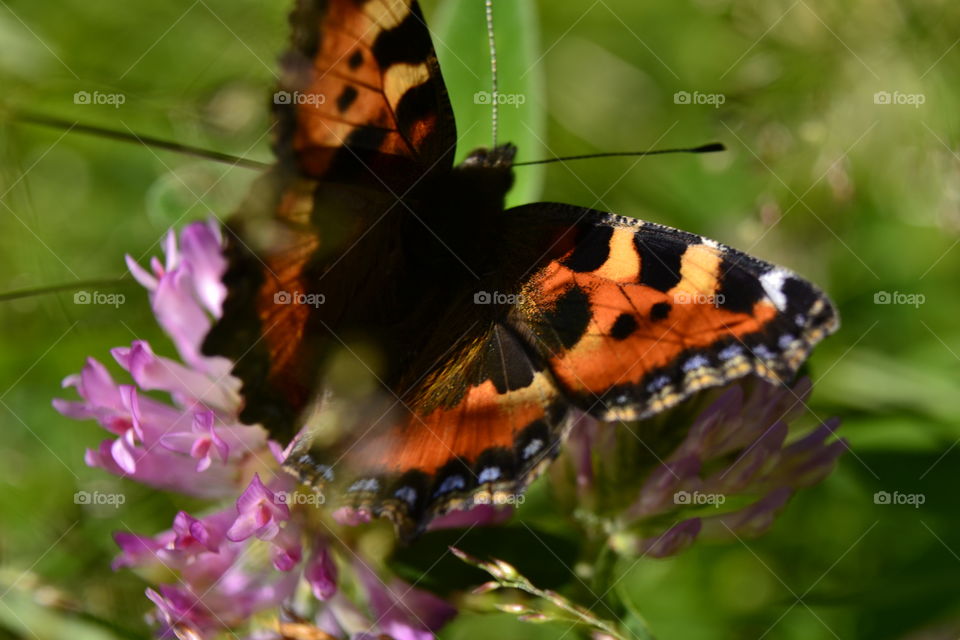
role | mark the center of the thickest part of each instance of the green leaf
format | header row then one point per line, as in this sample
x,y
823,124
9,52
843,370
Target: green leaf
x,y
460,36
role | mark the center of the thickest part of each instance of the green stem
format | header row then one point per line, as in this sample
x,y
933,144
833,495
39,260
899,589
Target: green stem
x,y
59,288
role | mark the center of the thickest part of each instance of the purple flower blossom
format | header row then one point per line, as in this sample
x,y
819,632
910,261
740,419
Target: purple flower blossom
x,y
730,476
403,612
139,550
286,550
321,573
186,292
670,542
201,444
482,515
178,609
209,533
187,386
260,514
237,561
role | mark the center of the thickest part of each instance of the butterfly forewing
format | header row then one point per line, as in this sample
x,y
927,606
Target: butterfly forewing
x,y
634,316
361,96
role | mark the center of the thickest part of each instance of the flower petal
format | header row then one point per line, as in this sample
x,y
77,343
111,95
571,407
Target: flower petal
x,y
258,513
321,572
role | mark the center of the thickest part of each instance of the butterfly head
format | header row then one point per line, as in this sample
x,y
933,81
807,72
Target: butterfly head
x,y
484,177
500,157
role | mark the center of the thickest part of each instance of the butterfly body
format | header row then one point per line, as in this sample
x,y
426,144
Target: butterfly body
x,y
483,331
455,219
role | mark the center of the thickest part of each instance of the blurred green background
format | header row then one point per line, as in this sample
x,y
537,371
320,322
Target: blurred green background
x,y
821,175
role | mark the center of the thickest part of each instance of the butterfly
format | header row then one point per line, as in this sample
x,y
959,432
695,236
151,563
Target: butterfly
x,y
488,330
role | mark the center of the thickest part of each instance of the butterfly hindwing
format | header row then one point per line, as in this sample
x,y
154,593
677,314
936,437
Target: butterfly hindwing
x,y
475,430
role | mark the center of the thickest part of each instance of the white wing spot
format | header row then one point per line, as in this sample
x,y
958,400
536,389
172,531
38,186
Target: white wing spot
x,y
772,283
713,244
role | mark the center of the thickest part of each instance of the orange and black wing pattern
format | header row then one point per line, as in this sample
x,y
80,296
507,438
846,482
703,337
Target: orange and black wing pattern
x,y
606,315
361,98
477,430
561,310
362,116
632,317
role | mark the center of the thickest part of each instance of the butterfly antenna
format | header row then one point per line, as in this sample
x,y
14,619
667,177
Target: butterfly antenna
x,y
493,69
706,148
130,136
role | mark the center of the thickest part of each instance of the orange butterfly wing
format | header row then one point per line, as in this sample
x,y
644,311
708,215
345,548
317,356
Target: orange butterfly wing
x,y
361,98
614,316
475,430
633,317
362,115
